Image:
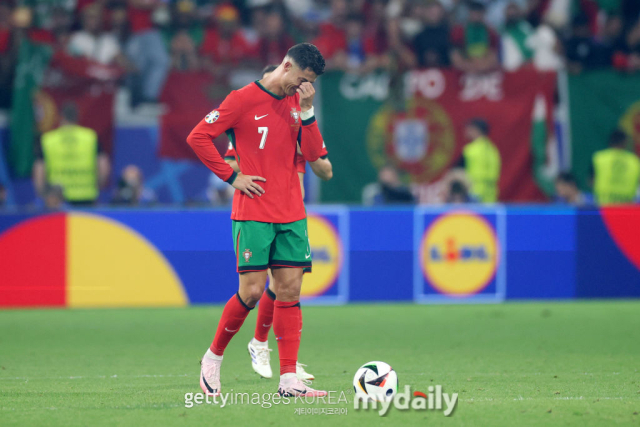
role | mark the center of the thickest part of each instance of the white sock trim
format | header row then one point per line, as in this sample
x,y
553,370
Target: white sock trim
x,y
211,355
288,376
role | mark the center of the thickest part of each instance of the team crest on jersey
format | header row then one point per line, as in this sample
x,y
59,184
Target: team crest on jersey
x,y
247,255
212,117
295,114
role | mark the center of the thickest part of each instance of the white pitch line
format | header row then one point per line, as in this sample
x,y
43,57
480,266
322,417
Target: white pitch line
x,y
81,377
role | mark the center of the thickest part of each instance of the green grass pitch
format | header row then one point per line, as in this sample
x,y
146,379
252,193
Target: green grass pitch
x,y
512,364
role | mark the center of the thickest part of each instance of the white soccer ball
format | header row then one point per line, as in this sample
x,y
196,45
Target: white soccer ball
x,y
376,381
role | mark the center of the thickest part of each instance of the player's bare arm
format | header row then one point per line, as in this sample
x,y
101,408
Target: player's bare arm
x,y
322,168
234,165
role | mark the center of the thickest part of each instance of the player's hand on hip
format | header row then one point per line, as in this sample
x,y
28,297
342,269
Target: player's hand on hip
x,y
307,93
247,184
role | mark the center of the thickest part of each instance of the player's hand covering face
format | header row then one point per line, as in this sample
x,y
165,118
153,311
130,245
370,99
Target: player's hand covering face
x,y
307,93
294,77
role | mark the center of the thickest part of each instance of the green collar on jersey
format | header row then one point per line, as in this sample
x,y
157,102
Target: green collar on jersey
x,y
268,91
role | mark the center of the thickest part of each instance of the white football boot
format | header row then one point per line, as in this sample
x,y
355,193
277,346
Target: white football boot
x,y
303,375
260,358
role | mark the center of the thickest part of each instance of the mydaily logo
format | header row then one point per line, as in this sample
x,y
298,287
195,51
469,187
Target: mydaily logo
x,y
433,400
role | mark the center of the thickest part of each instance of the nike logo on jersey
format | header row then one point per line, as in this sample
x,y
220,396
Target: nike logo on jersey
x,y
261,117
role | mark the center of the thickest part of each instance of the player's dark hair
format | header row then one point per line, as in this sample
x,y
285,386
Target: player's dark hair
x,y
268,69
307,56
566,177
618,138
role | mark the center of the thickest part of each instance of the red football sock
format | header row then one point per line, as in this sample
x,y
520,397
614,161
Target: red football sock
x,y
287,322
265,316
233,315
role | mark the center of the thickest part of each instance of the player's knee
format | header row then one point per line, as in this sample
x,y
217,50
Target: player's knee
x,y
251,293
288,290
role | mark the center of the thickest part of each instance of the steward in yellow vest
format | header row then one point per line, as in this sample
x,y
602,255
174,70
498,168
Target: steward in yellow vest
x,y
616,172
70,159
481,162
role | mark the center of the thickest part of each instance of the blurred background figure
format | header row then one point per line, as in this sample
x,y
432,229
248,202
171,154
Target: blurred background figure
x,y
616,172
225,45
475,44
3,196
184,36
481,162
389,190
219,193
145,49
431,45
567,191
70,157
582,50
515,35
92,42
54,198
458,193
130,190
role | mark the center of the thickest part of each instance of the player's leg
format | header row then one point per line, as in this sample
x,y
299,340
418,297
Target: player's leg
x,y
290,254
256,239
259,346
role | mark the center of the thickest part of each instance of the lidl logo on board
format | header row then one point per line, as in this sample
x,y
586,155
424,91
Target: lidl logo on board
x,y
460,253
326,253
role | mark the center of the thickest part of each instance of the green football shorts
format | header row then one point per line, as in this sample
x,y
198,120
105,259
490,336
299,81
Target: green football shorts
x,y
263,245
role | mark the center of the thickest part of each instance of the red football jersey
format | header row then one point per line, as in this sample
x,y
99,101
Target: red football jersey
x,y
264,129
301,163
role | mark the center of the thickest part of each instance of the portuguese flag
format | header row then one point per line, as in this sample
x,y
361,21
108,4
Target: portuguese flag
x,y
600,102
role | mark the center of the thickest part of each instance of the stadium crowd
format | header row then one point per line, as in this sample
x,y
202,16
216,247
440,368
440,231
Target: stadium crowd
x,y
146,38
138,42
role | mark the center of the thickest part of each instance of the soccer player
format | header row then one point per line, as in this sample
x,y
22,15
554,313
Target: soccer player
x,y
258,346
265,121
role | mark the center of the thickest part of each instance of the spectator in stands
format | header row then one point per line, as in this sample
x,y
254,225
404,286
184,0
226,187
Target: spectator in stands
x,y
92,43
616,172
516,49
3,196
331,37
359,54
225,46
475,45
8,54
119,24
389,190
567,191
145,49
131,190
184,37
70,156
627,57
581,50
481,162
431,45
275,42
458,193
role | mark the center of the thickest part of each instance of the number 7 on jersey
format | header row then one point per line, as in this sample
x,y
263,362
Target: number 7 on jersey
x,y
264,131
